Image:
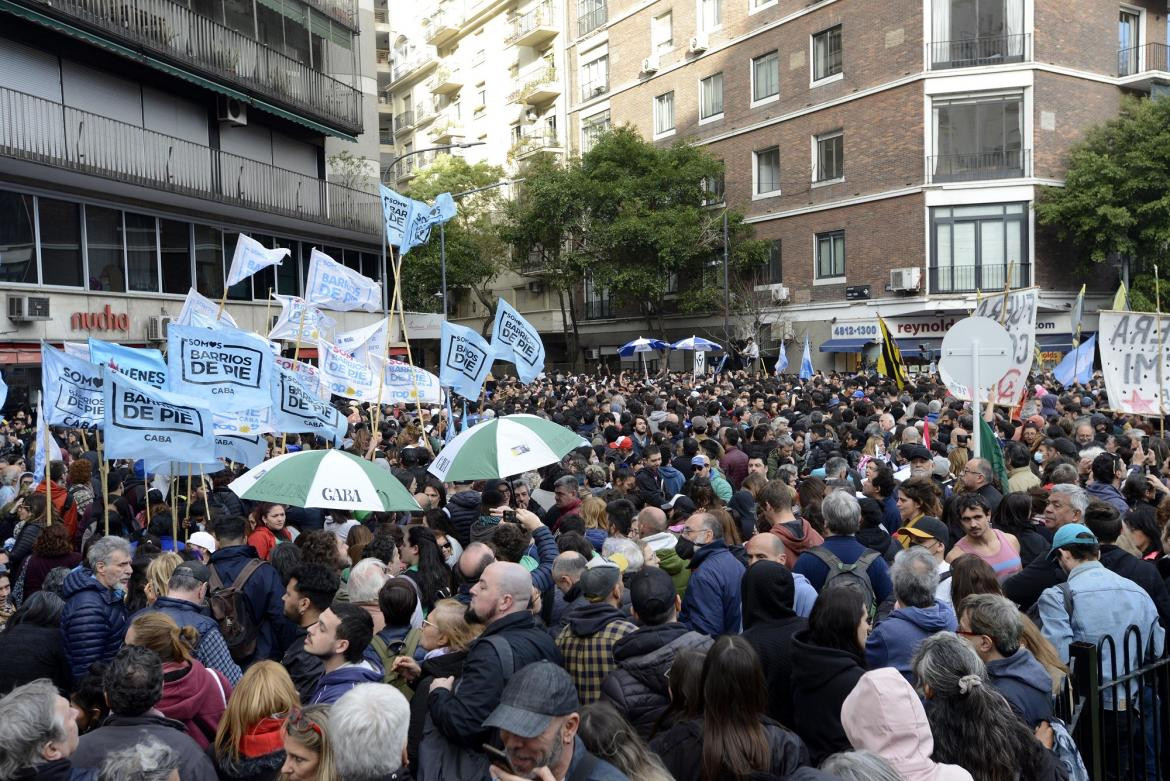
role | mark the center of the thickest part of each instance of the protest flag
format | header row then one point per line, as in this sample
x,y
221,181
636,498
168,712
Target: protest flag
x,y
3,391
142,421
465,359
143,364
73,390
251,256
47,450
989,448
1121,299
782,361
364,342
333,286
344,375
1078,314
1077,365
300,320
227,365
890,361
200,310
395,214
806,367
515,339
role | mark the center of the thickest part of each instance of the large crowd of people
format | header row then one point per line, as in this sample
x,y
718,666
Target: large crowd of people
x,y
748,577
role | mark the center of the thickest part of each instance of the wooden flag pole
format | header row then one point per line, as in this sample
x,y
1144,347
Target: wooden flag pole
x,y
268,314
296,357
186,529
48,472
104,470
406,339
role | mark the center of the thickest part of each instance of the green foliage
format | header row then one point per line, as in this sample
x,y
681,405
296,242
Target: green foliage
x,y
1143,294
1116,197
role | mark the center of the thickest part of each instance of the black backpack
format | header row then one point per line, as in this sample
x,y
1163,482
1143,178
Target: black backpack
x,y
230,609
853,575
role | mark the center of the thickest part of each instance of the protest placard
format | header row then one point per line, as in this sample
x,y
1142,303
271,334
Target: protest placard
x,y
230,367
1134,360
1020,323
142,421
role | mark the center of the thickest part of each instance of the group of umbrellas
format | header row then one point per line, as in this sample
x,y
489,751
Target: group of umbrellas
x,y
644,345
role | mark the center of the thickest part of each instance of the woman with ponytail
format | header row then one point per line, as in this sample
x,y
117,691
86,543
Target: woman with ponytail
x,y
973,725
192,693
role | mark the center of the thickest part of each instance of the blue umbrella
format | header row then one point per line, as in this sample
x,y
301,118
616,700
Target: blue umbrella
x,y
696,343
642,345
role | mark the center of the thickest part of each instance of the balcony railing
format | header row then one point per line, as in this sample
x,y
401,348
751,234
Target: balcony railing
x,y
48,133
1000,164
381,16
593,89
985,277
442,26
179,34
986,50
536,86
404,66
534,27
591,20
530,143
599,309
403,121
1139,59
385,136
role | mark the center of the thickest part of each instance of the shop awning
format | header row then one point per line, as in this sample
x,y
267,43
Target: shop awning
x,y
844,345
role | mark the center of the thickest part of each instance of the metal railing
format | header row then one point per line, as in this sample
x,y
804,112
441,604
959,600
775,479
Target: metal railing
x,y
976,51
446,18
385,136
49,133
982,276
403,121
591,20
381,15
529,83
1140,59
344,11
1000,164
542,16
593,89
400,68
599,309
534,142
174,31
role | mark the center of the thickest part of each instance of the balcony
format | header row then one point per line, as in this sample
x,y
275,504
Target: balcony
x,y
1143,66
446,130
48,133
381,16
537,87
444,82
382,58
534,28
591,20
972,279
185,39
403,121
385,103
423,114
537,141
594,89
532,264
442,27
978,166
415,62
599,309
385,135
408,167
980,51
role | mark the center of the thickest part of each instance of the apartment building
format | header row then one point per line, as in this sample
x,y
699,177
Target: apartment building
x,y
890,152
138,138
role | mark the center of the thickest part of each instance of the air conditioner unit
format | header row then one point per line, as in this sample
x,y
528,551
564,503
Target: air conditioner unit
x,y
905,278
592,353
650,64
230,111
156,328
699,43
536,287
779,293
27,309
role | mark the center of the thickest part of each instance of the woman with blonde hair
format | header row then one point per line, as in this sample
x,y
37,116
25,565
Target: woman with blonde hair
x,y
308,752
192,693
249,743
592,511
158,575
607,735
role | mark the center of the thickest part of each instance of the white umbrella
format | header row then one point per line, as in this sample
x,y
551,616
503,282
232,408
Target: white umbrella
x,y
503,446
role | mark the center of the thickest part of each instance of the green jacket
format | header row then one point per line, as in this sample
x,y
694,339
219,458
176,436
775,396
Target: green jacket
x,y
675,566
720,485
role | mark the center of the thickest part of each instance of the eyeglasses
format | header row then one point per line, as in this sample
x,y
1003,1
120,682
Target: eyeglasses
x,y
428,622
298,721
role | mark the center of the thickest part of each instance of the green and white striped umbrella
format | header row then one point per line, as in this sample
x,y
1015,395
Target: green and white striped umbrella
x,y
329,479
502,447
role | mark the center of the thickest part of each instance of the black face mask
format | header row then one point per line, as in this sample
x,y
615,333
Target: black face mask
x,y
685,548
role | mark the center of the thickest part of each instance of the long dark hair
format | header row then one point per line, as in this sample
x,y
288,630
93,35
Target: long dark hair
x,y
434,578
735,695
685,682
43,608
834,618
1014,514
972,575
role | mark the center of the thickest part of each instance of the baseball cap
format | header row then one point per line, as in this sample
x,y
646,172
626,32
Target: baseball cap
x,y
913,452
928,528
681,502
535,695
203,540
698,421
598,579
1071,534
1062,445
194,569
699,461
652,592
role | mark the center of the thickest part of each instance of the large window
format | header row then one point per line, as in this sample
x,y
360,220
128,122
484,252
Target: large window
x,y
209,261
767,171
664,113
662,33
826,53
974,247
141,253
18,259
60,223
598,301
1129,53
829,157
766,76
979,138
773,270
591,14
966,33
595,78
175,250
710,14
105,249
592,128
711,96
830,252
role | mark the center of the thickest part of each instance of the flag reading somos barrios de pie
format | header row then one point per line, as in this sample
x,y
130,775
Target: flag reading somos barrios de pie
x,y
145,422
514,339
226,367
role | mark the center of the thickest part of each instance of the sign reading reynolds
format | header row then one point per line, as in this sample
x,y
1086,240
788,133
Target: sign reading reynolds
x,y
231,366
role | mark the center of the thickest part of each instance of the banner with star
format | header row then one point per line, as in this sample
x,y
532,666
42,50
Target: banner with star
x,y
1134,360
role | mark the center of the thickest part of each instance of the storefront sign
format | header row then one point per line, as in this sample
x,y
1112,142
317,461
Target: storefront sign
x,y
105,320
933,326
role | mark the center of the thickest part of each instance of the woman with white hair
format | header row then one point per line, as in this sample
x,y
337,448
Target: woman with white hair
x,y
38,732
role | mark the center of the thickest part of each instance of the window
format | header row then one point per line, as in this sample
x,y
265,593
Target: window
x,y
60,224
208,261
826,53
480,96
591,14
770,274
104,249
966,33
768,171
711,96
1129,60
766,77
17,238
664,113
175,241
829,157
242,290
141,253
974,246
713,188
662,33
758,4
830,255
598,301
710,15
287,277
979,138
592,128
595,78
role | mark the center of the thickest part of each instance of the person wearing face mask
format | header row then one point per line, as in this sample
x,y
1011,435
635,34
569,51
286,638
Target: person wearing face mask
x,y
712,601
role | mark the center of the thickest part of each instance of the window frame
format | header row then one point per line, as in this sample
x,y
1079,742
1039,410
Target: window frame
x,y
702,99
757,194
592,85
701,19
814,80
1023,266
833,278
656,46
752,79
663,132
817,140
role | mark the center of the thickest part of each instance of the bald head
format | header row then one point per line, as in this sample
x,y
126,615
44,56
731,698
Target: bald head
x,y
766,547
475,559
511,579
651,520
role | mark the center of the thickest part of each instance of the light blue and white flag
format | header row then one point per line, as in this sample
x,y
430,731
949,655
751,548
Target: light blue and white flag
x,y
307,374
77,349
395,214
406,384
226,367
465,359
295,410
1077,366
73,389
514,339
333,286
443,208
200,310
806,367
345,376
314,325
156,425
141,364
245,449
418,227
364,342
3,391
247,421
251,256
782,361
53,452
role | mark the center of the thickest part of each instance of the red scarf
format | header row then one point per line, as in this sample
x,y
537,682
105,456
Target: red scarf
x,y
264,738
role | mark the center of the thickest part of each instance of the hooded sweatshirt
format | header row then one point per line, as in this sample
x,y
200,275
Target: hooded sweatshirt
x,y
1025,684
798,536
769,620
338,682
587,642
827,676
195,696
884,715
671,563
894,641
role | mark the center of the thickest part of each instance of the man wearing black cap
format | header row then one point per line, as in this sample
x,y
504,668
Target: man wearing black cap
x,y
638,687
537,719
587,642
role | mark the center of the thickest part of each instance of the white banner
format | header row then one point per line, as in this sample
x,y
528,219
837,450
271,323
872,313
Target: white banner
x,y
1020,323
700,362
200,310
1137,381
333,286
251,256
398,387
315,325
145,422
344,376
297,411
247,421
73,390
363,342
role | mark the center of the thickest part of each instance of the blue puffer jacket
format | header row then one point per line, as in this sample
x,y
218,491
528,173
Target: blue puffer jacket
x,y
93,623
712,602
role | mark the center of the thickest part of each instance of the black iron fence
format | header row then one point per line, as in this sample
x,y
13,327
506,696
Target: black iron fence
x,y
977,51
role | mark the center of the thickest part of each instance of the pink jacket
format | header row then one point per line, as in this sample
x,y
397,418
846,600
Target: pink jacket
x,y
197,698
884,715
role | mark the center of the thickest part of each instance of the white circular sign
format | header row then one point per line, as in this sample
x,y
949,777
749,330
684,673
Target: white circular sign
x,y
991,345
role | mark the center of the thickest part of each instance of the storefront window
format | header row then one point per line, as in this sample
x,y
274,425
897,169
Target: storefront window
x,y
176,256
209,261
60,242
17,248
104,249
142,253
287,276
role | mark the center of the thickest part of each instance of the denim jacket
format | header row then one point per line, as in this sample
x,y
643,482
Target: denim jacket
x,y
1103,604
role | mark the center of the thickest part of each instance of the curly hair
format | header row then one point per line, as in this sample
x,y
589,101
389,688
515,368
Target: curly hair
x,y
320,547
53,541
80,472
925,492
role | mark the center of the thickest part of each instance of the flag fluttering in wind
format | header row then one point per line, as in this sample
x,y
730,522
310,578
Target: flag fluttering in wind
x,y
890,361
